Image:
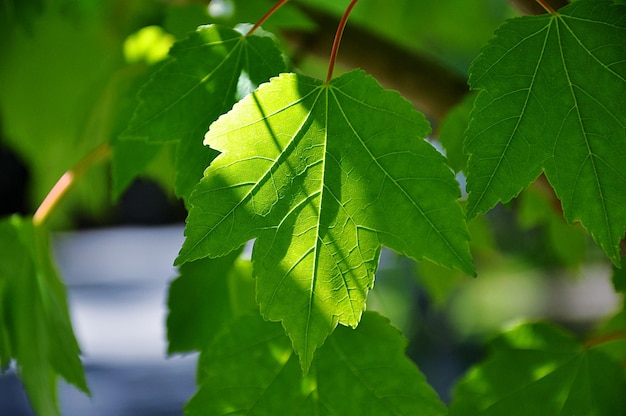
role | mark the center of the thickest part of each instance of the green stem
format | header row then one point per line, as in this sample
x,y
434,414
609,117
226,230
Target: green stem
x,y
270,12
65,182
547,7
340,28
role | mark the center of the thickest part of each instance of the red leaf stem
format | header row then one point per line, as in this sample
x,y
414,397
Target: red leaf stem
x,y
270,12
547,6
340,28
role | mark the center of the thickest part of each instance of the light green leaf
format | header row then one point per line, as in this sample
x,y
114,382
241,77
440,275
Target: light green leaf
x,y
34,318
323,176
553,98
251,369
536,369
207,73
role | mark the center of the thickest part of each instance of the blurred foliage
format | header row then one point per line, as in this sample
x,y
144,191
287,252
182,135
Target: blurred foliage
x,y
454,33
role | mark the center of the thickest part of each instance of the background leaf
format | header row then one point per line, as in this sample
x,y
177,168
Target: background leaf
x,y
56,105
314,171
207,73
208,295
251,369
553,98
34,318
452,132
538,369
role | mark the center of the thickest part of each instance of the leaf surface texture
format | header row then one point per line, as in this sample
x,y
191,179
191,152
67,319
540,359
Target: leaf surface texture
x,y
323,176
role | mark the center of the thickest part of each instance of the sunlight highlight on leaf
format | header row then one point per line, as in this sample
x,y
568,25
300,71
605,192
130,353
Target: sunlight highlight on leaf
x,y
319,175
200,81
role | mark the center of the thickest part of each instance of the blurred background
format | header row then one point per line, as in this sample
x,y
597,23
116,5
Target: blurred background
x,y
65,69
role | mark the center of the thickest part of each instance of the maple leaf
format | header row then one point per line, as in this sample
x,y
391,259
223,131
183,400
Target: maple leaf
x,y
379,379
35,327
553,98
323,175
539,369
206,74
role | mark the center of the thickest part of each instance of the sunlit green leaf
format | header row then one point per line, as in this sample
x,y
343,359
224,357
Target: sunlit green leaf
x,y
323,176
34,318
251,369
553,98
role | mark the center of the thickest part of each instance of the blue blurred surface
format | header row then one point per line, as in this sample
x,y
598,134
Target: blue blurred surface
x,y
117,287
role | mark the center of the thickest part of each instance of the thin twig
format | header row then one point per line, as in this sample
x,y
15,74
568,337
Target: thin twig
x,y
65,182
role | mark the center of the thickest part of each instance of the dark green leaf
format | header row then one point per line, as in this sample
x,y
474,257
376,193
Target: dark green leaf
x,y
207,73
619,279
207,295
538,207
251,369
452,133
536,369
553,98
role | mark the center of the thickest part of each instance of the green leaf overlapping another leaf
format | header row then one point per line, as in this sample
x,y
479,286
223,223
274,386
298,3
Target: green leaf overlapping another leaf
x,y
323,175
553,98
251,369
207,296
35,327
537,369
206,74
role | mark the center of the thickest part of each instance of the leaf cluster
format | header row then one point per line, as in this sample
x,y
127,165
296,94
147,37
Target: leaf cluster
x,y
317,178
